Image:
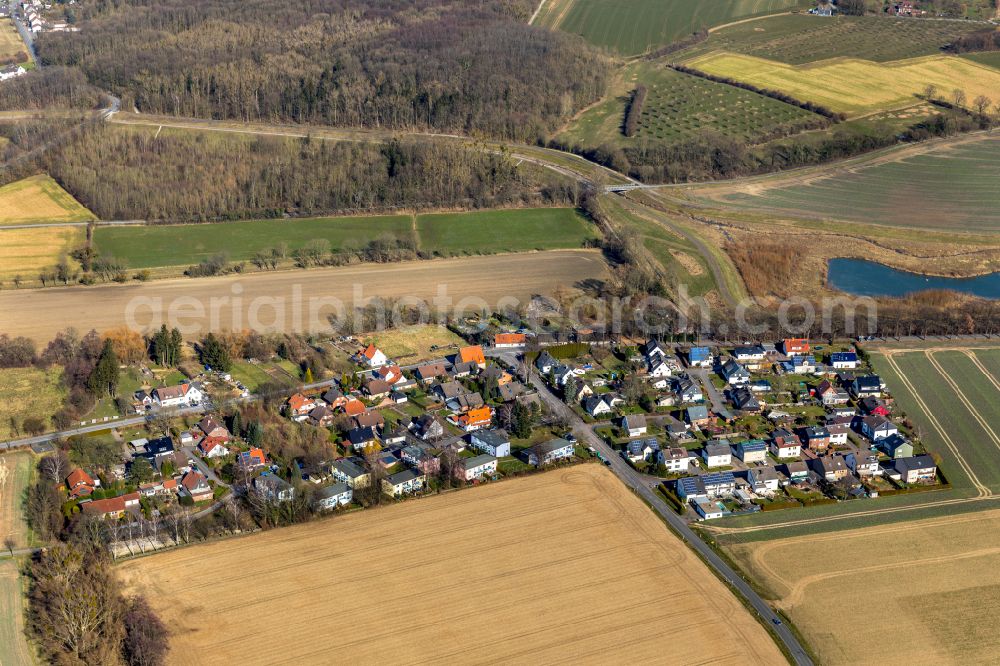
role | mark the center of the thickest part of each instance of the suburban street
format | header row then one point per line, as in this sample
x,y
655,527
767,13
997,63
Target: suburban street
x,y
640,485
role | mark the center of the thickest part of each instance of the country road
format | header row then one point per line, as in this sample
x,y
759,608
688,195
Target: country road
x,y
641,487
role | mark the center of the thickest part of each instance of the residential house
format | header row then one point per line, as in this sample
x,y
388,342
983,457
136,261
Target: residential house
x,y
545,362
403,483
473,354
635,424
752,451
800,365
697,416
420,458
832,468
474,419
708,510
675,459
330,497
427,427
712,485
166,487
816,438
195,485
509,340
839,429
596,405
752,357
113,507
351,473
688,390
734,373
377,388
370,419
362,439
896,446
717,453
700,357
844,360
760,386
390,374
152,450
471,469
863,464
666,400
182,395
274,488
252,459
549,452
81,484
658,368
867,386
298,407
463,369
322,417
214,439
795,346
639,450
876,427
372,357
11,71
651,349
334,397
830,395
745,401
873,405
797,472
562,373
494,442
510,391
785,444
763,480
916,468
430,372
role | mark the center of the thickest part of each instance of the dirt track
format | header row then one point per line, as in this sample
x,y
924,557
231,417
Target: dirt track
x,y
257,300
566,566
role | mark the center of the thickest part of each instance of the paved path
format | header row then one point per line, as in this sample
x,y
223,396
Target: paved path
x,y
640,485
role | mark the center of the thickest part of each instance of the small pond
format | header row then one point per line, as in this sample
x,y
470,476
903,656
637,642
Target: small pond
x,y
868,278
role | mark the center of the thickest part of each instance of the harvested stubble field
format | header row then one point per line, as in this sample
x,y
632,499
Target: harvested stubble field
x,y
41,313
43,385
15,477
933,584
800,38
945,185
26,252
14,649
39,199
854,86
414,343
631,27
513,572
11,45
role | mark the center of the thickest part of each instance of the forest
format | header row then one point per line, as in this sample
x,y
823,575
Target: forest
x,y
177,176
447,65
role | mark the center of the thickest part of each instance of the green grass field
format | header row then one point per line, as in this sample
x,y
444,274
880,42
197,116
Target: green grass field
x,y
485,232
631,27
989,58
680,106
801,38
948,187
492,231
42,385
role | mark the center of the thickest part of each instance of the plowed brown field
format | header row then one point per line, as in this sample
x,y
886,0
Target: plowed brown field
x,y
566,566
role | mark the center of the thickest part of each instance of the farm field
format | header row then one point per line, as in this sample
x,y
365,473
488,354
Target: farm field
x,y
631,27
11,46
108,306
414,343
254,374
16,470
15,383
14,649
854,86
39,200
533,546
989,58
680,106
946,186
492,231
26,252
801,38
936,582
488,232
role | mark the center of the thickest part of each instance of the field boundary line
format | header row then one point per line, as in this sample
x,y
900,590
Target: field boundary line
x,y
963,398
982,368
984,491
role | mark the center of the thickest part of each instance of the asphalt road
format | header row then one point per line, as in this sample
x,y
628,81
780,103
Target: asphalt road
x,y
642,487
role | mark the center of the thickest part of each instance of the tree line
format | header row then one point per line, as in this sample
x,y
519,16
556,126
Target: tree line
x,y
634,111
446,65
178,176
980,40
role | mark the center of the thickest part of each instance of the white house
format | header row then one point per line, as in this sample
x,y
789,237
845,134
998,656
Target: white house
x,y
372,356
734,373
482,465
635,424
659,368
876,427
785,444
752,451
676,460
708,510
182,395
494,442
844,360
330,497
764,480
596,405
717,453
400,483
11,71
